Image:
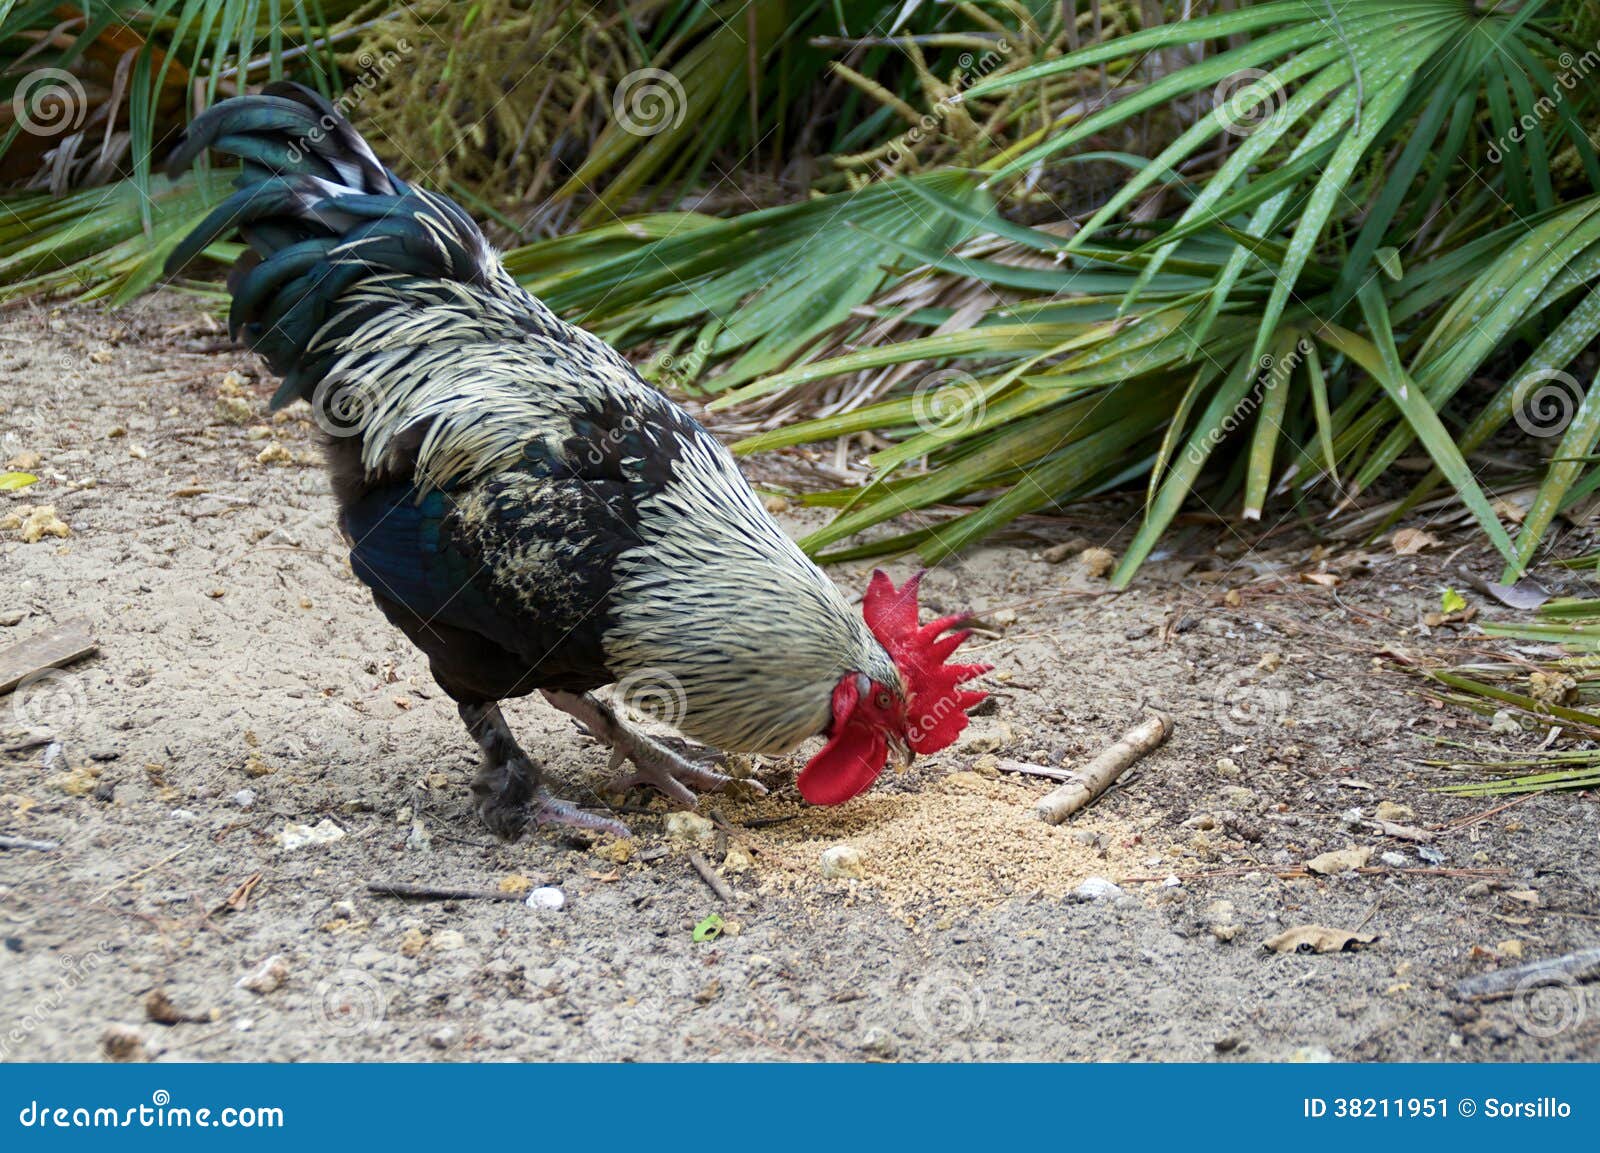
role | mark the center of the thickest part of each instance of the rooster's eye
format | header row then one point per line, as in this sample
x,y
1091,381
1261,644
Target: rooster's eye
x,y
883,700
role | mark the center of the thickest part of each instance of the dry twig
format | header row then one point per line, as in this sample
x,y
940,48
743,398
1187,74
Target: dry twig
x,y
712,878
408,891
1100,774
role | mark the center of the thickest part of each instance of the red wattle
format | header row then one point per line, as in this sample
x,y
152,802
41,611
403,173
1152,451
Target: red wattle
x,y
846,766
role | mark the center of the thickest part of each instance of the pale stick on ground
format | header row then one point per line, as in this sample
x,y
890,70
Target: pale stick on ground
x,y
1101,773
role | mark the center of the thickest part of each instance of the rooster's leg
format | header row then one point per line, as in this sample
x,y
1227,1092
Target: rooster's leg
x,y
653,763
507,785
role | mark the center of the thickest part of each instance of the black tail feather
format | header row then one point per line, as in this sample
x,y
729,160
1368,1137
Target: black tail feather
x,y
320,213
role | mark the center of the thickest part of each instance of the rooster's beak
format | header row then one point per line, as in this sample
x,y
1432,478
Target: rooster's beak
x,y
901,751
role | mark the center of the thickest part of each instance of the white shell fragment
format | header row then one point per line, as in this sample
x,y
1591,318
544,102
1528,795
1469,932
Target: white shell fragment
x,y
546,897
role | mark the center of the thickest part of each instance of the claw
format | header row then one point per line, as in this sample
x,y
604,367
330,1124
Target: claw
x,y
653,763
552,810
662,769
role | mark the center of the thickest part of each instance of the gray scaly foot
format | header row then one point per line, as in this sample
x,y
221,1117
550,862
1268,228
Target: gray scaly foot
x,y
509,794
653,763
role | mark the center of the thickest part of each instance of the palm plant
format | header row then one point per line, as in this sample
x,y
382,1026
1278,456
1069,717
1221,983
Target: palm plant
x,y
1326,222
1370,213
90,96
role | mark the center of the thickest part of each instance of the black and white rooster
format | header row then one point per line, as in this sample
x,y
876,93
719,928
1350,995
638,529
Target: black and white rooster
x,y
527,510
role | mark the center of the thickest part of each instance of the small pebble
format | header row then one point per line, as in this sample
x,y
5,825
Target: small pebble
x,y
843,861
690,828
420,840
1399,814
122,1043
443,1039
1097,889
1311,1055
267,977
546,897
244,798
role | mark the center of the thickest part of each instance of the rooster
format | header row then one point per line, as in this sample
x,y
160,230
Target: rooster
x,y
530,512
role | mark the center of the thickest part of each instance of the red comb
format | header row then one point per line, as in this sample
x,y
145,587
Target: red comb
x,y
936,707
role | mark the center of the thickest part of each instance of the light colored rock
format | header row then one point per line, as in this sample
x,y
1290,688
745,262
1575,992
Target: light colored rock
x,y
1097,889
34,522
1238,797
419,840
122,1043
448,940
267,976
1340,860
690,828
1311,1055
546,897
1097,562
1396,812
843,861
294,836
981,738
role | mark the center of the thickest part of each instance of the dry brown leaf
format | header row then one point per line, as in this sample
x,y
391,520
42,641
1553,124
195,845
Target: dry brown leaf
x,y
1340,860
1318,939
1410,541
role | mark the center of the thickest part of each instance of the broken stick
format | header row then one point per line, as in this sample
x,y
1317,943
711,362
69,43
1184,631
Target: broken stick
x,y
1101,773
712,878
54,648
407,891
1568,970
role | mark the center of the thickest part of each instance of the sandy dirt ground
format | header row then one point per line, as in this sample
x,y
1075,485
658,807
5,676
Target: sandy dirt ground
x,y
245,684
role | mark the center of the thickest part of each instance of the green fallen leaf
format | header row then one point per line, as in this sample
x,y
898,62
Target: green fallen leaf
x,y
709,929
1452,602
12,481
